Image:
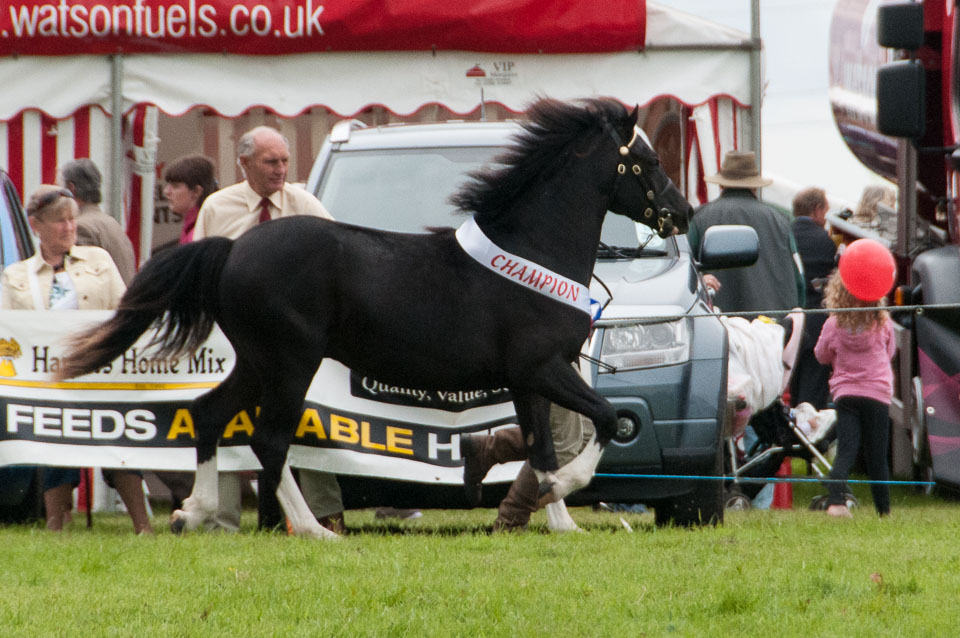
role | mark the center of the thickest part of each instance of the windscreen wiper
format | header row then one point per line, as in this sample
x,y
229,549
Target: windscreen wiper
x,y
628,252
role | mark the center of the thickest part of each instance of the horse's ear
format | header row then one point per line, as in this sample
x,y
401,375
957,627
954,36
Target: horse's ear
x,y
635,115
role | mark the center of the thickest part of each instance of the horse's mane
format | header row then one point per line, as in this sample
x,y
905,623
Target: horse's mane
x,y
549,135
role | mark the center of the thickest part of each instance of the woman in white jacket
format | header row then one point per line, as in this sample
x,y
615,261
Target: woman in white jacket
x,y
64,276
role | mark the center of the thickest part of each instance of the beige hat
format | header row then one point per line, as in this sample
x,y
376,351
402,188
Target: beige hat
x,y
739,170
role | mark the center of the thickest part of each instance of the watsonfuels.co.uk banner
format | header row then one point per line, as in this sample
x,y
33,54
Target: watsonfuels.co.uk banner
x,y
144,25
270,27
135,412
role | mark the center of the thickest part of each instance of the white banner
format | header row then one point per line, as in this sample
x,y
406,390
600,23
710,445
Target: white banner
x,y
135,412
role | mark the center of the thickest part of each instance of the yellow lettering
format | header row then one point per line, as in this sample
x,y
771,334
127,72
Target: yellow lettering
x,y
343,429
310,423
240,423
365,438
182,424
397,437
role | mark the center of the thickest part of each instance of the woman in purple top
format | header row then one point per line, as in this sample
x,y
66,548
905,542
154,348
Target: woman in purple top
x,y
859,346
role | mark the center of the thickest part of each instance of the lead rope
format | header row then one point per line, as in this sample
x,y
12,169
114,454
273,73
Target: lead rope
x,y
603,307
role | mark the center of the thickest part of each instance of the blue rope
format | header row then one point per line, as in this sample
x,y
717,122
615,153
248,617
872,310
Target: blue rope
x,y
749,314
773,479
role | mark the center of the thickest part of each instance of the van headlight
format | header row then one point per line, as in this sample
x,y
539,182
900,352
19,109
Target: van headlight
x,y
645,345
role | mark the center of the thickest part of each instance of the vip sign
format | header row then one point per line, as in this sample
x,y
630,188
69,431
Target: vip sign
x,y
497,73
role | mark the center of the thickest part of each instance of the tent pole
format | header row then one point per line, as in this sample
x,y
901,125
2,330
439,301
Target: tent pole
x,y
756,79
116,138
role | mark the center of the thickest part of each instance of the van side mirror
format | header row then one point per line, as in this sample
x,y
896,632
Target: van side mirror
x,y
900,25
901,99
729,246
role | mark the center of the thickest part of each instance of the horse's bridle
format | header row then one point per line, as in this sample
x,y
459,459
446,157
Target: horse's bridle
x,y
664,222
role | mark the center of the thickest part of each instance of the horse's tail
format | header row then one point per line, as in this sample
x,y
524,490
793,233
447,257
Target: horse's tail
x,y
176,292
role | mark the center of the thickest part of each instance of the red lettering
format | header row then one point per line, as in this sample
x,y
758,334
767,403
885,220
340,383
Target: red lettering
x,y
509,266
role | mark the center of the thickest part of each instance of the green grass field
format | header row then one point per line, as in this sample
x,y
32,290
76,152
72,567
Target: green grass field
x,y
762,573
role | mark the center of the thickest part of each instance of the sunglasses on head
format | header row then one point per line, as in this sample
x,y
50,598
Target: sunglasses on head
x,y
51,197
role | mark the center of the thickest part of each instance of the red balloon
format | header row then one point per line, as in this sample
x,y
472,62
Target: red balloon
x,y
867,269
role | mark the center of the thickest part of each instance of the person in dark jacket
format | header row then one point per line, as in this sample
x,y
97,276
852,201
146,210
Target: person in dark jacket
x,y
775,282
819,255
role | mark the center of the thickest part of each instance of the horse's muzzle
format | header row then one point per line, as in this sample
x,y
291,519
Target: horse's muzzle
x,y
672,223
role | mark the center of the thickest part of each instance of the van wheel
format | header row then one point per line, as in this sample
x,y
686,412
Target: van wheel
x,y
737,501
922,463
702,506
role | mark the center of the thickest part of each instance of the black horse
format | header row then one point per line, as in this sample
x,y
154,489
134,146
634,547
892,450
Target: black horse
x,y
417,310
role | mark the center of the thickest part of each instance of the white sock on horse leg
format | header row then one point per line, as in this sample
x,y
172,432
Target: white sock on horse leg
x,y
201,505
578,472
548,479
302,520
559,519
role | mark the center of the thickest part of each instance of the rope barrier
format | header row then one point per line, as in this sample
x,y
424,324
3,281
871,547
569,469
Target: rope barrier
x,y
772,479
918,309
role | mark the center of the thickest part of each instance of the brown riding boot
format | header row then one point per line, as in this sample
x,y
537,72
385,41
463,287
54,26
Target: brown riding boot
x,y
519,503
480,452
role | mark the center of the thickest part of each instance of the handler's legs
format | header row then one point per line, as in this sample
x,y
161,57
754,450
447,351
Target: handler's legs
x,y
570,431
229,503
482,452
322,494
519,503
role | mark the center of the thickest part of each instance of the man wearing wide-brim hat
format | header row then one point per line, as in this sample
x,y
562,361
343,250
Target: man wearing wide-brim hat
x,y
775,282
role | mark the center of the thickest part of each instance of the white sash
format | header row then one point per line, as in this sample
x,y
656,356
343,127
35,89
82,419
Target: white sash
x,y
521,271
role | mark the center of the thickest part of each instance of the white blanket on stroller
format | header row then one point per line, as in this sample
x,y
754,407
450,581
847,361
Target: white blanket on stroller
x,y
755,368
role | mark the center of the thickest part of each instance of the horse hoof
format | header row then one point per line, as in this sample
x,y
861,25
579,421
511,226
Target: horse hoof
x,y
324,534
177,522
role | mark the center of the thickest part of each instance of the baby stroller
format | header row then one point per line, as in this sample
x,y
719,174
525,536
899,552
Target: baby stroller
x,y
762,358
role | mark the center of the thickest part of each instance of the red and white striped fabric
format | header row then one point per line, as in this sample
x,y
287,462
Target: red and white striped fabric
x,y
140,141
34,145
714,129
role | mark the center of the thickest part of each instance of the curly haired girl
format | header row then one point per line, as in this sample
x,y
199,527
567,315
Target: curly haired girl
x,y
860,346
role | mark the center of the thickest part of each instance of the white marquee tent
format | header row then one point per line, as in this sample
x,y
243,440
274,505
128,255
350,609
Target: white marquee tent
x,y
57,105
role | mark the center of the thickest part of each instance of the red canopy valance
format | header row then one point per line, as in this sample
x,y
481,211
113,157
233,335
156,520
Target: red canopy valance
x,y
273,27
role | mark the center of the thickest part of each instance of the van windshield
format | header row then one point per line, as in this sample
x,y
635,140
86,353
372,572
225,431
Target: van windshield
x,y
406,190
402,190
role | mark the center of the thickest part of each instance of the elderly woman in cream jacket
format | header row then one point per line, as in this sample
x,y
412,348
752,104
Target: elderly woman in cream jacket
x,y
64,276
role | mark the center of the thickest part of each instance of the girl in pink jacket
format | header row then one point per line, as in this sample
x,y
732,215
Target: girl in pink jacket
x,y
859,346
